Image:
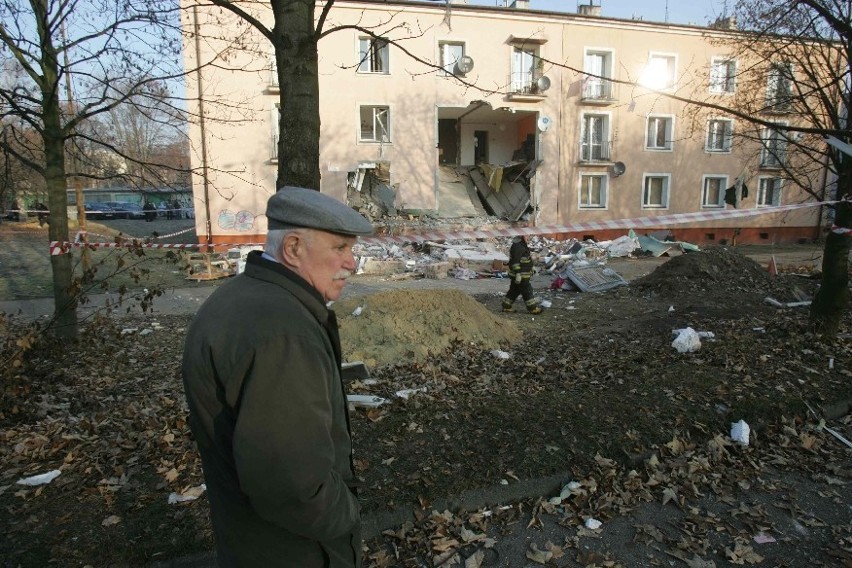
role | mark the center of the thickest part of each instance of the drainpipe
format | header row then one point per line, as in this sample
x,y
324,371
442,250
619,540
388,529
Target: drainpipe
x,y
208,224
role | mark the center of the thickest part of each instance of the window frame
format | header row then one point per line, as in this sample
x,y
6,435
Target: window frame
x,y
669,134
603,191
388,127
727,140
765,151
776,101
275,113
442,44
366,59
730,78
518,78
760,200
671,84
606,142
723,186
666,190
594,88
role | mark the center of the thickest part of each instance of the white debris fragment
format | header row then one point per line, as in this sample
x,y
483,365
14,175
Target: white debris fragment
x,y
593,524
701,334
671,309
41,479
129,330
146,331
740,432
545,303
365,400
687,341
500,354
405,393
357,311
190,494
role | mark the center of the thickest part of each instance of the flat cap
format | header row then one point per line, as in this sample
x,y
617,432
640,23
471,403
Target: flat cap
x,y
293,207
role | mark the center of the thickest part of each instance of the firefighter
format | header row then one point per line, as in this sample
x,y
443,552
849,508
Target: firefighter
x,y
520,272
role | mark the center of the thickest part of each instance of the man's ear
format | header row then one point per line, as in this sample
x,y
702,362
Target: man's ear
x,y
292,249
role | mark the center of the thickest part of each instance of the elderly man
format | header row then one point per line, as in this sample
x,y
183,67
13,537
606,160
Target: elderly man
x,y
261,370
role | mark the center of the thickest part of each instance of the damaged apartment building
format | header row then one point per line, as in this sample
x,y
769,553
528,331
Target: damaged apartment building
x,y
457,112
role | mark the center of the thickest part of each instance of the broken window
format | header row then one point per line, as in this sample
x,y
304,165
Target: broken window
x,y
660,133
593,191
769,192
719,133
713,192
373,55
655,194
375,124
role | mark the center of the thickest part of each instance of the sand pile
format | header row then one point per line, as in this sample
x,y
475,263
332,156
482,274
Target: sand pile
x,y
406,325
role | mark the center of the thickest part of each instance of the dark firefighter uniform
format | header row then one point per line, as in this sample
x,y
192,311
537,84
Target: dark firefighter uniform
x,y
520,272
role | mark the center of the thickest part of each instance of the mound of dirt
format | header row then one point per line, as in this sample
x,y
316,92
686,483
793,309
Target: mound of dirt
x,y
406,325
721,270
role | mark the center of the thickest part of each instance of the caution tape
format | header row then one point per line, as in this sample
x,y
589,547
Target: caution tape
x,y
841,230
60,247
81,234
635,223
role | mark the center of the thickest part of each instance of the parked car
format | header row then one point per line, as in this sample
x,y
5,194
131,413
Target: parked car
x,y
124,210
98,210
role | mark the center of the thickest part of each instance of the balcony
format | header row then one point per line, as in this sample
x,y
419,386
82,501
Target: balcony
x,y
595,152
598,91
527,86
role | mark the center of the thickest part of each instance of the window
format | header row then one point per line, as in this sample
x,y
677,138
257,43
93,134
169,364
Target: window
x,y
526,70
713,192
655,191
450,53
779,87
594,142
659,133
719,134
722,75
373,55
375,124
275,119
593,191
273,72
598,63
769,192
660,72
774,153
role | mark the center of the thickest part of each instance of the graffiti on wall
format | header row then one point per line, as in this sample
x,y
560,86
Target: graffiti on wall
x,y
241,221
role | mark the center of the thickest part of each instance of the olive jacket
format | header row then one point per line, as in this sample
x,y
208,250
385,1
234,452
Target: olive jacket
x,y
261,371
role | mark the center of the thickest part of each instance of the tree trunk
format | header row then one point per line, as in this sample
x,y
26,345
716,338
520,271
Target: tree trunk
x,y
298,77
832,299
64,299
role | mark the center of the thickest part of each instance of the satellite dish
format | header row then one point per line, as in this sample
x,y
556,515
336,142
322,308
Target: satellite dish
x,y
544,123
465,64
543,83
618,168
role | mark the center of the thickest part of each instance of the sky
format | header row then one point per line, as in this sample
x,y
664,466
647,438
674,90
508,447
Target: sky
x,y
699,12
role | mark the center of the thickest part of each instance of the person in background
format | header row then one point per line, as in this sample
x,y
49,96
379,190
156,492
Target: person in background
x,y
520,272
150,211
262,376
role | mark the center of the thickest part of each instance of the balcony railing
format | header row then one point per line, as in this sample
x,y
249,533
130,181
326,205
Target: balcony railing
x,y
595,151
595,89
526,83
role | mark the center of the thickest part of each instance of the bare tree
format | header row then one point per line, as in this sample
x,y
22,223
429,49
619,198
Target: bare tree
x,y
795,78
102,45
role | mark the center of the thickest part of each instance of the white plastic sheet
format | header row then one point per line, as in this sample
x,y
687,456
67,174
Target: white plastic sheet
x,y
687,341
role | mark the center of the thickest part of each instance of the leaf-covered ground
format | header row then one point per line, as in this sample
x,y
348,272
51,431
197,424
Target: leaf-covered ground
x,y
594,392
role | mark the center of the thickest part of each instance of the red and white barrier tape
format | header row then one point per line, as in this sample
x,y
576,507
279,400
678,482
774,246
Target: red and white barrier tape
x,y
63,247
660,221
130,237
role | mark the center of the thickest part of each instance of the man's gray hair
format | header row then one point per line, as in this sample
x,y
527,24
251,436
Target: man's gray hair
x,y
275,241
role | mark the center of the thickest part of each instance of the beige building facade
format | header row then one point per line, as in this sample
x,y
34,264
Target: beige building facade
x,y
587,111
